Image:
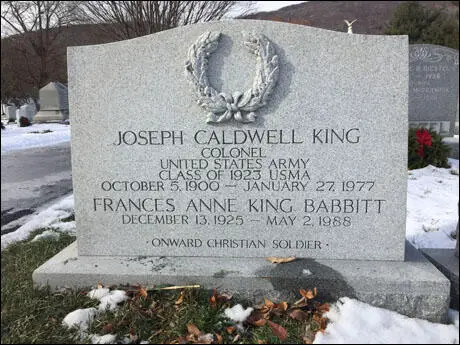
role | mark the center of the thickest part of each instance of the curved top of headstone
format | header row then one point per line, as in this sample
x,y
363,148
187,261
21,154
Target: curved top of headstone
x,y
235,25
432,53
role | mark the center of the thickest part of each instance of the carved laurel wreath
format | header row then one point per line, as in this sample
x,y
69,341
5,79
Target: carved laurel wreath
x,y
221,106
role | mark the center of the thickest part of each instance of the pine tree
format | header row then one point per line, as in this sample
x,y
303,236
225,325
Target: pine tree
x,y
424,25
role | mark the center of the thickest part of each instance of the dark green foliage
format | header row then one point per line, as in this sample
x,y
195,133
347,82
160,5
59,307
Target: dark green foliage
x,y
435,155
24,122
424,25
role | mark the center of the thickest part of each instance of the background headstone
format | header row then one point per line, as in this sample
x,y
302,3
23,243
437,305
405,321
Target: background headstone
x,y
433,91
11,112
54,103
27,110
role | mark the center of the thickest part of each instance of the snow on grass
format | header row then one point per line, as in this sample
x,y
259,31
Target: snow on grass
x,y
80,318
237,313
354,322
20,138
46,235
110,301
49,218
432,212
103,339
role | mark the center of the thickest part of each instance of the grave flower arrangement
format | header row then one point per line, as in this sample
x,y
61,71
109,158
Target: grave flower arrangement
x,y
426,148
24,122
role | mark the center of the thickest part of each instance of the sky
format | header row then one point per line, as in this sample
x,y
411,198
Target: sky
x,y
267,6
431,219
261,6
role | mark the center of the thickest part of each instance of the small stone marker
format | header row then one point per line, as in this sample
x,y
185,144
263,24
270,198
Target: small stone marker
x,y
433,93
27,110
54,103
11,112
250,139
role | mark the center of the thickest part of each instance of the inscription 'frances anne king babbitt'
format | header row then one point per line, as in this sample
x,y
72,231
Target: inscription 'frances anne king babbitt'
x,y
241,139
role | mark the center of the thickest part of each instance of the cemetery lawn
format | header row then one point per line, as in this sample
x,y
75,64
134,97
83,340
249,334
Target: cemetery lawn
x,y
158,316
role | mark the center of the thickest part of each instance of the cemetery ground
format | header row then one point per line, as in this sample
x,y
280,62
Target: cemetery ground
x,y
162,314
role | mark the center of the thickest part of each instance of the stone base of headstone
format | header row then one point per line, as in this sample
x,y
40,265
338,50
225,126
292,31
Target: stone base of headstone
x,y
414,287
447,262
51,116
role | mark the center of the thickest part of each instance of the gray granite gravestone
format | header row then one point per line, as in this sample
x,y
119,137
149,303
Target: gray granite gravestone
x,y
250,139
433,92
54,103
11,112
28,111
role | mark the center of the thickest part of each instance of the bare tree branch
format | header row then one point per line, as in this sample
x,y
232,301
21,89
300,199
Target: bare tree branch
x,y
129,19
39,23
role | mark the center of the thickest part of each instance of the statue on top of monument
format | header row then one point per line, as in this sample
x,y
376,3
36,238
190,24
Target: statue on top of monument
x,y
350,30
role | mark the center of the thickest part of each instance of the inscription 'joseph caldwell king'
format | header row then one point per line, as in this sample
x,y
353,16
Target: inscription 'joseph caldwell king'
x,y
236,137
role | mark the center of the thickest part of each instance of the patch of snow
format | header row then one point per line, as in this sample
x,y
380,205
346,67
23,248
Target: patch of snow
x,y
46,235
103,339
49,218
432,217
80,318
20,138
237,313
354,322
110,301
306,272
98,293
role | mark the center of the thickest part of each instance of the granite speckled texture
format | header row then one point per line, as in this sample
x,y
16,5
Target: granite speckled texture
x,y
414,288
333,153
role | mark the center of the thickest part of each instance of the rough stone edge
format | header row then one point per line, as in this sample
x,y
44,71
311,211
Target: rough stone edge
x,y
414,288
447,263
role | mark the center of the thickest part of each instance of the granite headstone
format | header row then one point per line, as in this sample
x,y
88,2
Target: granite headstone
x,y
433,92
26,110
249,139
11,112
276,160
54,103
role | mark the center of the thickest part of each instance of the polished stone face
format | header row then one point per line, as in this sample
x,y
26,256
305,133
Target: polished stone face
x,y
433,91
320,173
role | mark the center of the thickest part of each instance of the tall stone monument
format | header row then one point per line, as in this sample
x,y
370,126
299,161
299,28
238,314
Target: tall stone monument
x,y
54,103
433,91
250,139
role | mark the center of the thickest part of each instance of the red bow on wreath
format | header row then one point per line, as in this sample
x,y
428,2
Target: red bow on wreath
x,y
423,139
